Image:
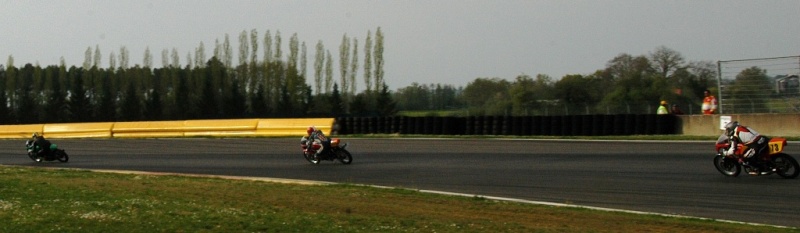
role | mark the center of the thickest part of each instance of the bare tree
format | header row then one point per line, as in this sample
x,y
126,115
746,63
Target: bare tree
x,y
666,61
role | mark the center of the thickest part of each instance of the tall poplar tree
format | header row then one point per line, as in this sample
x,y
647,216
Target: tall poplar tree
x,y
344,66
354,67
5,111
87,60
124,57
328,71
227,50
97,56
200,55
176,59
80,109
319,62
378,52
165,58
267,47
147,62
368,62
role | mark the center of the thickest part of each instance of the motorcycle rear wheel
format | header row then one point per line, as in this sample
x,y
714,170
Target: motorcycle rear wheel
x,y
727,167
62,156
786,166
344,156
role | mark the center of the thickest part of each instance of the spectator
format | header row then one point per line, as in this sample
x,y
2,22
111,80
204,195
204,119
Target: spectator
x,y
662,109
675,110
709,103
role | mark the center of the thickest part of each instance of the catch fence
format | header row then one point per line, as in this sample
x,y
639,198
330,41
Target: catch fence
x,y
763,85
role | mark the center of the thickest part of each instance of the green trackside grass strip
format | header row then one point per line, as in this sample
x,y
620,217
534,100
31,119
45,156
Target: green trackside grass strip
x,y
62,200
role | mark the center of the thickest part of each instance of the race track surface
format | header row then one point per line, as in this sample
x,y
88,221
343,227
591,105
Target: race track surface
x,y
662,177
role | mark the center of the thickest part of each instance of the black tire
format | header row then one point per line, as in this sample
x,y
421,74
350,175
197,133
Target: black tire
x,y
786,166
727,167
62,156
33,157
344,156
310,158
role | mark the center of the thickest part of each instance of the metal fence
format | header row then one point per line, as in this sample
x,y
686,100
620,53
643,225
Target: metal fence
x,y
763,85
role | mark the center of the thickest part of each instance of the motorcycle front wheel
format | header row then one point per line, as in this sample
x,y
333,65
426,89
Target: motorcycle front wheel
x,y
62,156
33,157
344,156
310,158
786,166
727,167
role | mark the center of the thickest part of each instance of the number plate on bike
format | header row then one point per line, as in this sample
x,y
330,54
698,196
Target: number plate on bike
x,y
775,147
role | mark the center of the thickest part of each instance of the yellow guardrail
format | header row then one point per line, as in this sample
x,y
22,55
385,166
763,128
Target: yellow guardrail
x,y
19,131
78,130
292,127
148,129
187,128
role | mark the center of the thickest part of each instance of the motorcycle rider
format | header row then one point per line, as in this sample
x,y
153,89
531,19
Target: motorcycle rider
x,y
753,142
318,138
43,145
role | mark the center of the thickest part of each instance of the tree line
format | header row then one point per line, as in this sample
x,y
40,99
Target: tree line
x,y
628,84
211,88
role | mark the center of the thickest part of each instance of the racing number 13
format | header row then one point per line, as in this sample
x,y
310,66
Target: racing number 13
x,y
774,147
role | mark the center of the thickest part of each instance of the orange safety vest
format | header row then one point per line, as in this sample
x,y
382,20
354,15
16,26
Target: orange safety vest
x,y
709,105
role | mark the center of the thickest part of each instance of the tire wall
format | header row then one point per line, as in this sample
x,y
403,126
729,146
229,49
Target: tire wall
x,y
574,125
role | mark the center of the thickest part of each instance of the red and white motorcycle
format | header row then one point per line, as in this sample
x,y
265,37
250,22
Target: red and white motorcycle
x,y
335,152
771,160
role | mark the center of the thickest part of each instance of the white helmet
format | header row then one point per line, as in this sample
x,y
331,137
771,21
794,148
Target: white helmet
x,y
730,128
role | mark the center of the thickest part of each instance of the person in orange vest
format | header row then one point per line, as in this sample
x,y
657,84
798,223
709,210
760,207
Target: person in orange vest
x,y
709,103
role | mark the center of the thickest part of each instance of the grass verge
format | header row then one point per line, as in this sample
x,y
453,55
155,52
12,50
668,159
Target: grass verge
x,y
65,200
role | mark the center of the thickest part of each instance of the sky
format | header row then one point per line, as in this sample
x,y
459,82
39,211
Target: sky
x,y
427,42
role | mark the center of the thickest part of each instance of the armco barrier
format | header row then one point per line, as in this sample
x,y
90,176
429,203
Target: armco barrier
x,y
227,128
293,127
148,129
155,129
19,131
78,130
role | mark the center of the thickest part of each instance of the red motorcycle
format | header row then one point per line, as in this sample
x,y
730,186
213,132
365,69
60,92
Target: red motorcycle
x,y
335,152
771,160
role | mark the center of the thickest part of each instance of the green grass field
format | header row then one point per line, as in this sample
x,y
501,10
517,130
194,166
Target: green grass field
x,y
62,200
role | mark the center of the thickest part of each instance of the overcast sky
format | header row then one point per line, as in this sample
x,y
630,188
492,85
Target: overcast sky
x,y
447,42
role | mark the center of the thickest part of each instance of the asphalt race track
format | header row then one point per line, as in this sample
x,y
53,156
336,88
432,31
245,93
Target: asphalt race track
x,y
662,177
